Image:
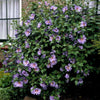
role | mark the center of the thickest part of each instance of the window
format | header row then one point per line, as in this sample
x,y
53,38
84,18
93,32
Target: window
x,y
9,12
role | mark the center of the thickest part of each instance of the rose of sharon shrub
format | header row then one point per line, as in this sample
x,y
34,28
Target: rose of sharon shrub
x,y
51,49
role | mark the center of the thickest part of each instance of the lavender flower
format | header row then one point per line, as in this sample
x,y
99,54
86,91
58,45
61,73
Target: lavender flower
x,y
51,38
52,98
39,25
27,44
56,30
72,60
18,84
67,76
58,38
25,62
80,81
52,58
33,65
48,65
18,50
54,62
46,3
64,9
36,91
68,67
61,69
35,57
32,16
66,16
39,52
83,24
78,8
15,76
27,22
25,81
27,32
36,69
25,73
29,69
65,53
43,56
52,84
18,61
44,86
82,40
48,22
81,47
53,8
4,63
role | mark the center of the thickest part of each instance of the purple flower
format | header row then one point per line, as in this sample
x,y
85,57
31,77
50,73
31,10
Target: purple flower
x,y
29,69
80,81
68,67
43,56
27,22
32,16
18,84
53,8
39,52
39,25
82,40
15,75
56,30
78,72
27,44
35,57
66,16
65,53
51,38
61,69
48,22
36,69
52,84
18,50
19,70
48,65
25,81
72,60
64,9
81,47
44,86
83,24
27,32
52,58
4,63
78,8
35,91
25,73
56,86
46,3
58,38
33,65
67,76
16,32
52,52
18,61
25,62
52,98
54,62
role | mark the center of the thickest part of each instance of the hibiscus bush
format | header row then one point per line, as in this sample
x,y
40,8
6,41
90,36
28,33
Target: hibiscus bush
x,y
51,49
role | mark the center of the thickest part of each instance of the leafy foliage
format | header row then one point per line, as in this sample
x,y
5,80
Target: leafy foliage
x,y
51,49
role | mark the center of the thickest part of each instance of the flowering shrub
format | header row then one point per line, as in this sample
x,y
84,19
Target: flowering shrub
x,y
51,49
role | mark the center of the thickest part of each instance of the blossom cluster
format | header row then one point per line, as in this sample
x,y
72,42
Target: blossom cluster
x,y
49,49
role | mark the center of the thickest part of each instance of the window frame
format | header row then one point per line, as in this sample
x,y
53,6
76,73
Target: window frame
x,y
7,19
